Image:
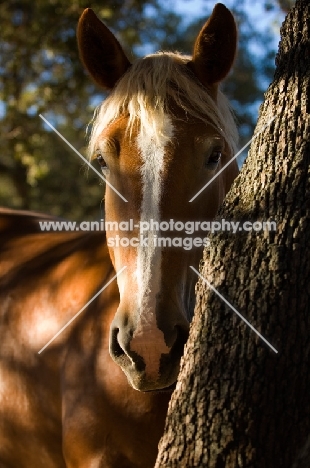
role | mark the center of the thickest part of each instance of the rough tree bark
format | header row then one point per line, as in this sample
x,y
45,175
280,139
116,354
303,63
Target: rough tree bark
x,y
237,402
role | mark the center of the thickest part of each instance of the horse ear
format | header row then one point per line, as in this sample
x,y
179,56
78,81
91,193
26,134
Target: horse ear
x,y
100,51
215,47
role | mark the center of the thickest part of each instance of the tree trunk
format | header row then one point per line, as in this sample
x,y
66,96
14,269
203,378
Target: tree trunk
x,y
238,403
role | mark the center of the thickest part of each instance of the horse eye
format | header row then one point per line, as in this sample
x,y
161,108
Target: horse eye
x,y
102,162
214,159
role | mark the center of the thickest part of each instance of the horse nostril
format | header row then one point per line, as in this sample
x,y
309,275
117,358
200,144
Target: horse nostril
x,y
181,339
115,348
120,350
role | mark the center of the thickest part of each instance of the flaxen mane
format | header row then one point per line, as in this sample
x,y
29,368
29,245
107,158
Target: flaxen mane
x,y
145,91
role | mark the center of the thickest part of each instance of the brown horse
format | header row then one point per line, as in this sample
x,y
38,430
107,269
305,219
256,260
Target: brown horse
x,y
164,131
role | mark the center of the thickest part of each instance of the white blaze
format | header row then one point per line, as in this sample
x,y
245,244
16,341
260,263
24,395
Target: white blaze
x,y
148,341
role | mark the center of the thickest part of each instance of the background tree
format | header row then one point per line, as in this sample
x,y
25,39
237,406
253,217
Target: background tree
x,y
40,72
238,403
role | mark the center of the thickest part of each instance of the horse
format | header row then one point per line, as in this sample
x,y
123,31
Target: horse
x,y
97,396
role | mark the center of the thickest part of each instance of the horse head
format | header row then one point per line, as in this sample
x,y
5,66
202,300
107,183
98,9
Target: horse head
x,y
163,132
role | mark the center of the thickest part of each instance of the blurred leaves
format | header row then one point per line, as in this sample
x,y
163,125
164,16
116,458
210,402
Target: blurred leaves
x,y
41,74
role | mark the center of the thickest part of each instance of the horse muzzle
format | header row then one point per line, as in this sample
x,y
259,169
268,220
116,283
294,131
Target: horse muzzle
x,y
148,364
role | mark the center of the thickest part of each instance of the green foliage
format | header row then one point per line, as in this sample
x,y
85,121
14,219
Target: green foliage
x,y
41,74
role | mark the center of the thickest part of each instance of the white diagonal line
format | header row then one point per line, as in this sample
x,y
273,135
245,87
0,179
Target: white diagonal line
x,y
82,157
81,310
231,160
232,308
